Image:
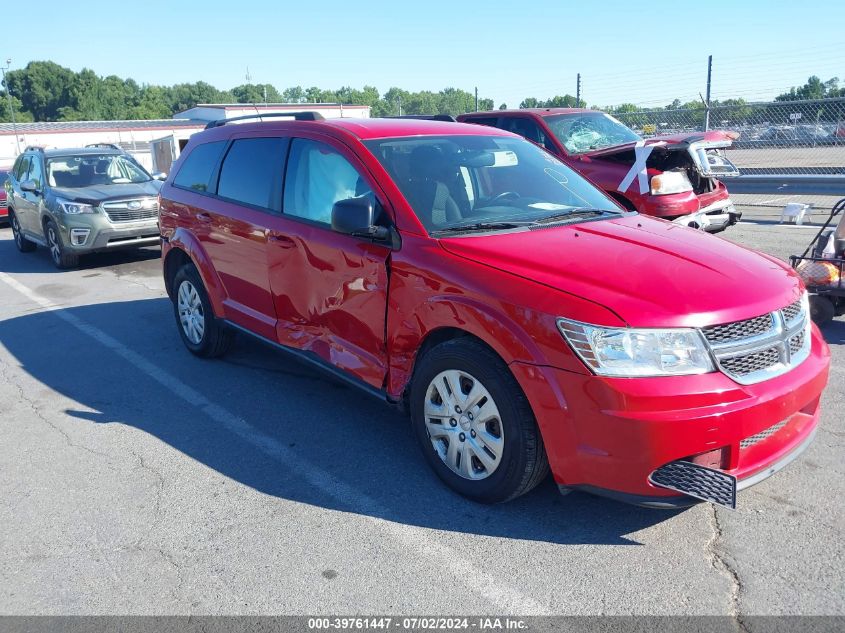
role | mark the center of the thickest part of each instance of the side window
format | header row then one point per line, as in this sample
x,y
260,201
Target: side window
x,y
198,168
21,168
35,172
252,172
317,177
527,128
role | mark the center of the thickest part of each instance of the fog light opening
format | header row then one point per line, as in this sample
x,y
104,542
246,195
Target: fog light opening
x,y
79,236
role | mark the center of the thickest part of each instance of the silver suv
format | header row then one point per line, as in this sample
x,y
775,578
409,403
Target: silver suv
x,y
77,201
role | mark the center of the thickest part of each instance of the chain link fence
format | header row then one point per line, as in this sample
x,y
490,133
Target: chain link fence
x,y
786,140
781,137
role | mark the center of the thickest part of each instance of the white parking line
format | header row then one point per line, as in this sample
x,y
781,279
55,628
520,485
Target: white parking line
x,y
410,539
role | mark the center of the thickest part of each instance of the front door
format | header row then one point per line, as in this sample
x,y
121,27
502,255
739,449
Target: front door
x,y
330,289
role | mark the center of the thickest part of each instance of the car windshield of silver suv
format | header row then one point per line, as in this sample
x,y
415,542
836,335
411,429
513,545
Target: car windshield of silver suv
x,y
85,171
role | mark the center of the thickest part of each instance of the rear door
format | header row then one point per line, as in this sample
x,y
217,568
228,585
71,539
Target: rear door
x,y
330,289
249,190
236,190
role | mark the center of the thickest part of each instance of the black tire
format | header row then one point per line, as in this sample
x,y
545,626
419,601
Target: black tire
x,y
523,463
216,338
23,244
62,259
822,309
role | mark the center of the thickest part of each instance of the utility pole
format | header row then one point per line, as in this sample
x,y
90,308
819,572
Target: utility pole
x,y
476,98
11,107
578,92
707,102
399,98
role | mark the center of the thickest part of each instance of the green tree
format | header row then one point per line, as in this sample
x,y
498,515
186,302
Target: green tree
x,y
21,115
42,87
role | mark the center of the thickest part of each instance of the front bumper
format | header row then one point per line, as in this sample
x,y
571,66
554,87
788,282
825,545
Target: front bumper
x,y
104,235
608,435
712,218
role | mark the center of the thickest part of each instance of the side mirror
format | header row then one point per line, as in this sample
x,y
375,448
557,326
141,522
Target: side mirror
x,y
356,216
30,185
159,175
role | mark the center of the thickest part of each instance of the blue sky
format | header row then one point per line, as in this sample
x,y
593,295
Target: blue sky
x,y
642,52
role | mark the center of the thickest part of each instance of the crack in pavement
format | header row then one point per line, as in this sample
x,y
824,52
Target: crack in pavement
x,y
37,410
721,564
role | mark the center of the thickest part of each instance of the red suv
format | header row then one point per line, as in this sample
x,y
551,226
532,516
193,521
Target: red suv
x,y
4,202
521,318
671,177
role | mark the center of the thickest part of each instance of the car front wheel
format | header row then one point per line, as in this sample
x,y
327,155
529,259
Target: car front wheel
x,y
62,259
474,424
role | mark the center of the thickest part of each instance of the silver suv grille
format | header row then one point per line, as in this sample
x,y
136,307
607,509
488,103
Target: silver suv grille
x,y
131,210
763,347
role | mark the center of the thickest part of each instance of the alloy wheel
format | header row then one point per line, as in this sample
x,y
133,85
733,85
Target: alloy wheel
x,y
16,232
55,247
464,425
191,314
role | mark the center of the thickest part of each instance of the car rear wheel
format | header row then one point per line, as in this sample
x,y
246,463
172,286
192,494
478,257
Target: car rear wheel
x,y
202,333
58,253
822,309
22,244
474,424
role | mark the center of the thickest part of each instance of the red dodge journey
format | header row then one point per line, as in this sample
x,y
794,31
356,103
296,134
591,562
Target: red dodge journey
x,y
525,320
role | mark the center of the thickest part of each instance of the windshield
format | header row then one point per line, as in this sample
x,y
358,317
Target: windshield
x,y
473,181
588,131
93,169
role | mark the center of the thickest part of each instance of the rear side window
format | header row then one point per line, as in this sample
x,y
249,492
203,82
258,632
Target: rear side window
x,y
489,121
252,172
198,168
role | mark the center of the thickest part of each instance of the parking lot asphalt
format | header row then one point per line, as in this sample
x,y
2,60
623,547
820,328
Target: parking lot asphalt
x,y
137,479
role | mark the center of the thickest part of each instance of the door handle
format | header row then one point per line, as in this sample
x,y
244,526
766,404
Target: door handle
x,y
203,217
282,241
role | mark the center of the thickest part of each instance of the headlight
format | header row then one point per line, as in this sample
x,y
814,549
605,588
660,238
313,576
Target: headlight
x,y
670,182
633,352
75,208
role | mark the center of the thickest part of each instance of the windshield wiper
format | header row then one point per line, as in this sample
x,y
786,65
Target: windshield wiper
x,y
575,211
481,226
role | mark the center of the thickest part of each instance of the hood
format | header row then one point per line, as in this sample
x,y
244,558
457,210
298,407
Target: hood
x,y
670,142
649,272
95,194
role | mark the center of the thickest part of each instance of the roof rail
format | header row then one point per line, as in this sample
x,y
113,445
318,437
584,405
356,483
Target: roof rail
x,y
426,117
306,115
106,146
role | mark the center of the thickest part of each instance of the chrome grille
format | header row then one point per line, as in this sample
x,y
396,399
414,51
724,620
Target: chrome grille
x,y
762,435
796,342
791,311
4,203
739,330
763,347
131,210
744,365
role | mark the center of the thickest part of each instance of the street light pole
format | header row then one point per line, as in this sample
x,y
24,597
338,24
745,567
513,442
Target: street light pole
x,y
11,108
